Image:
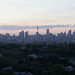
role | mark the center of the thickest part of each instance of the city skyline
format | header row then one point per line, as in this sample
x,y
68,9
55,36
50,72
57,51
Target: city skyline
x,y
32,31
36,12
25,38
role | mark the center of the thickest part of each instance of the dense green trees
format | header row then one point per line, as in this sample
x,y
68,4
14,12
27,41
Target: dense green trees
x,y
14,56
21,67
7,72
58,70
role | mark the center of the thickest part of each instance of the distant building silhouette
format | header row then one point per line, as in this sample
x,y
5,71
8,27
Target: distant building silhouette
x,y
48,38
47,31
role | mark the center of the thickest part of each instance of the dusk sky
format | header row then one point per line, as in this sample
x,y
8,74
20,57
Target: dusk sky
x,y
37,12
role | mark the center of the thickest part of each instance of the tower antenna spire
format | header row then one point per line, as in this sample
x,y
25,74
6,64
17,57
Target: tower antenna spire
x,y
37,28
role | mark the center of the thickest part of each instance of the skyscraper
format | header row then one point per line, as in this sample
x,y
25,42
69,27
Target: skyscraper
x,y
47,31
21,35
26,34
69,33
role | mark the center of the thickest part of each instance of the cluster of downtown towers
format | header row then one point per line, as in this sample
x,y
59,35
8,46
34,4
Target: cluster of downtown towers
x,y
48,38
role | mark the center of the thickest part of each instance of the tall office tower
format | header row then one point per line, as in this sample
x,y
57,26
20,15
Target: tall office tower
x,y
26,35
21,35
69,33
47,31
7,34
74,33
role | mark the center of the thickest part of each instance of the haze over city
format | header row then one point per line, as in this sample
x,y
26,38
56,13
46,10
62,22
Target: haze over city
x,y
55,15
37,37
37,12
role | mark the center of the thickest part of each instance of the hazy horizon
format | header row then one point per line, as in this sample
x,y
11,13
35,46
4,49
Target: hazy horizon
x,y
55,30
37,12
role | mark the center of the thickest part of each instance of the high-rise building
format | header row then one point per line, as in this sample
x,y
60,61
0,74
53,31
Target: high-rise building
x,y
26,34
21,35
69,33
7,34
47,31
74,33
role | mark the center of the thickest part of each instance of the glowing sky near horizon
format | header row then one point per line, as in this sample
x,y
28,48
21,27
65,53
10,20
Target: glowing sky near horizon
x,y
37,12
